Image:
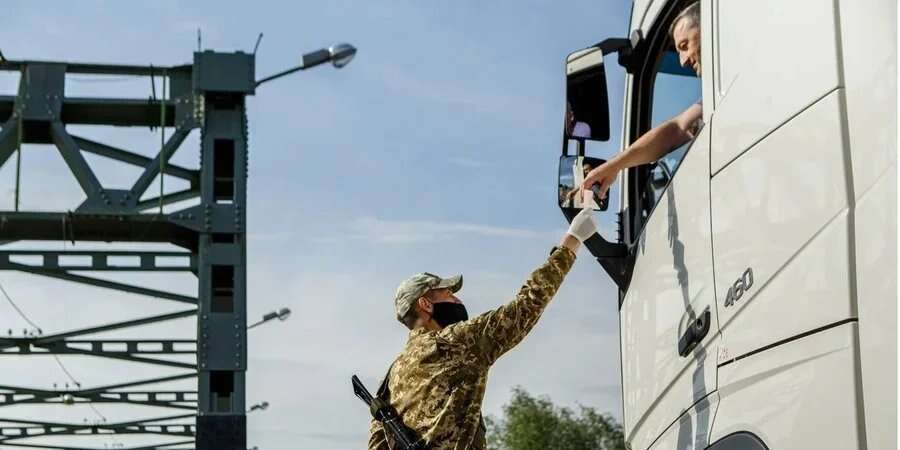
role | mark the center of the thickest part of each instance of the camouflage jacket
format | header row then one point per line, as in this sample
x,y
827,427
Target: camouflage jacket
x,y
437,383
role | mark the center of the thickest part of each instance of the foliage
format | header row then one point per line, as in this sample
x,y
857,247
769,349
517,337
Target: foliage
x,y
531,423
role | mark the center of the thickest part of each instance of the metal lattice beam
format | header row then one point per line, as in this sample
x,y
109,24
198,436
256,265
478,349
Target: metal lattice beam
x,y
208,95
109,151
132,289
14,395
35,428
99,260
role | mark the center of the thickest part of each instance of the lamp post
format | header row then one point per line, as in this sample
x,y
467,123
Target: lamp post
x,y
282,315
339,55
259,407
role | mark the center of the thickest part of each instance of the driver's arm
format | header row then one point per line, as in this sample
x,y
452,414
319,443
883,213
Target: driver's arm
x,y
660,140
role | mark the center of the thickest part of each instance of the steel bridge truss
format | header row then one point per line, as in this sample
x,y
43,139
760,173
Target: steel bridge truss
x,y
209,96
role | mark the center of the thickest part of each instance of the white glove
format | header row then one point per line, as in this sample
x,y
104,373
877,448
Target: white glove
x,y
583,225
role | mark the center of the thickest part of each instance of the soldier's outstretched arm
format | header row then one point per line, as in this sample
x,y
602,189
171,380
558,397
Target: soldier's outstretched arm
x,y
493,333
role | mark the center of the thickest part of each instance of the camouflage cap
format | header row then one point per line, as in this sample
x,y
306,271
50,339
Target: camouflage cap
x,y
417,285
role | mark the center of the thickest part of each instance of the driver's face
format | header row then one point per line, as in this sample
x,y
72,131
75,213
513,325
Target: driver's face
x,y
687,43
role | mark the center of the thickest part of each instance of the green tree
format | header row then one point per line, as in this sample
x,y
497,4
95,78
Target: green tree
x,y
531,423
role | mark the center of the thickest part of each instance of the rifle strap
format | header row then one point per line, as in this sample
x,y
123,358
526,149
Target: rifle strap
x,y
383,395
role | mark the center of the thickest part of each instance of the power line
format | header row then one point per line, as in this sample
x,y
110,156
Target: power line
x,y
69,374
16,307
91,404
55,357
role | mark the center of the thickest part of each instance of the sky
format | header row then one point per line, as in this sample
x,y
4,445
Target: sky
x,y
435,150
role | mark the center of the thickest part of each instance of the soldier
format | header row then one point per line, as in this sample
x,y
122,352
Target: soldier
x,y
437,383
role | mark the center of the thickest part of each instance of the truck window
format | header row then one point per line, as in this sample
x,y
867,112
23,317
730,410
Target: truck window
x,y
674,90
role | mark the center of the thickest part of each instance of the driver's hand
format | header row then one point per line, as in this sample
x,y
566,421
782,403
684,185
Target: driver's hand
x,y
604,175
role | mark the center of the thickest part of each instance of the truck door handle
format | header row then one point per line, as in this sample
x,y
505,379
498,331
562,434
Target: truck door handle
x,y
695,333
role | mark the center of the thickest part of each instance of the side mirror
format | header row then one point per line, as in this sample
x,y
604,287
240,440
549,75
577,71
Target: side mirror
x,y
587,103
587,122
572,170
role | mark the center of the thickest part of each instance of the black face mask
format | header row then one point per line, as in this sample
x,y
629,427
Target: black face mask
x,y
446,313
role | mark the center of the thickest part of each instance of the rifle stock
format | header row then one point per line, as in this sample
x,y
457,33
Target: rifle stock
x,y
385,413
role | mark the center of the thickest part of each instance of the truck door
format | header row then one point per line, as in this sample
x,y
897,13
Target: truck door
x,y
668,313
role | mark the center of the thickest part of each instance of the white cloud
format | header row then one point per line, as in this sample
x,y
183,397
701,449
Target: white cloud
x,y
385,231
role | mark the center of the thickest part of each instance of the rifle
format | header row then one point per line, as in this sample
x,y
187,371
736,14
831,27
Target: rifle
x,y
387,415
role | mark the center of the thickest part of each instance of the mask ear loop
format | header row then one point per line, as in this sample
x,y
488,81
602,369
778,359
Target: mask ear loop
x,y
431,314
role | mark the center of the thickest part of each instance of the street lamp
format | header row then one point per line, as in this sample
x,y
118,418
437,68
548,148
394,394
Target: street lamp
x,y
282,315
339,55
259,407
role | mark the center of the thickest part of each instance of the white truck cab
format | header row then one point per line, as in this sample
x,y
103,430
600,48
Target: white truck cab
x,y
756,265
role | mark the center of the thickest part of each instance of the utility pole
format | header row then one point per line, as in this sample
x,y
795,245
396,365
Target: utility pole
x,y
208,96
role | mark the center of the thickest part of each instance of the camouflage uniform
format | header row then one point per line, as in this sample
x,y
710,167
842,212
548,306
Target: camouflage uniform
x,y
437,383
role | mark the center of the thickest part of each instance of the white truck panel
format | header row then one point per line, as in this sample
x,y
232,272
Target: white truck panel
x,y
869,43
797,395
691,431
672,280
876,265
869,53
773,59
781,210
644,13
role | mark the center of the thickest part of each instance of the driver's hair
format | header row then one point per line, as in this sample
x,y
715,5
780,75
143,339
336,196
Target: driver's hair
x,y
691,13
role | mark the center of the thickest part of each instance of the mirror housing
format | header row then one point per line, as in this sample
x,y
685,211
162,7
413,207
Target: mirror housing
x,y
587,104
572,170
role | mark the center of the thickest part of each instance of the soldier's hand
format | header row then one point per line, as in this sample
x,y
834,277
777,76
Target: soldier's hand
x,y
583,225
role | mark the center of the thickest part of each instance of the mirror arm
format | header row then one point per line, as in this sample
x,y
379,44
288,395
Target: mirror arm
x,y
611,45
615,258
619,269
601,248
623,46
596,244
